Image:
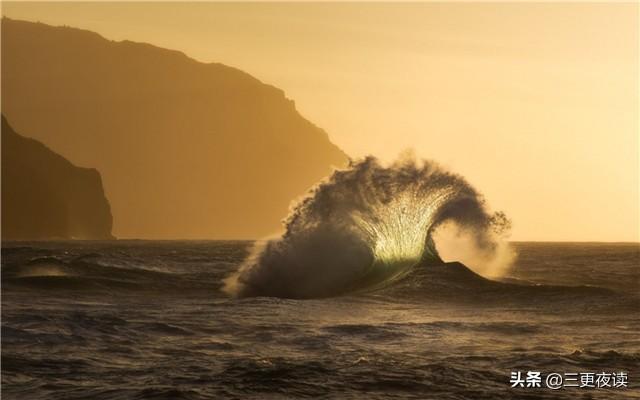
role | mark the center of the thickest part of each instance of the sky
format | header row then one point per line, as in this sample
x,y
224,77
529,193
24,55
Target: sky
x,y
536,104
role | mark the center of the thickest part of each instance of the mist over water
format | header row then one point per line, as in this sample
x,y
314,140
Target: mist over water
x,y
369,224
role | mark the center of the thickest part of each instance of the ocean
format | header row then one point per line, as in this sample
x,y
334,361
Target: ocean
x,y
150,320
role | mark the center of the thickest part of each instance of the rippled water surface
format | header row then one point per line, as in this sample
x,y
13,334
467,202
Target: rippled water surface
x,y
147,320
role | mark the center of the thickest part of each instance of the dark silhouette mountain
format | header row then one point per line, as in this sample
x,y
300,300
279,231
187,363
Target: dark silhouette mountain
x,y
186,149
44,196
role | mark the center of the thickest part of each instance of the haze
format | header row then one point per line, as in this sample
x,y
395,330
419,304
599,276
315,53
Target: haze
x,y
535,104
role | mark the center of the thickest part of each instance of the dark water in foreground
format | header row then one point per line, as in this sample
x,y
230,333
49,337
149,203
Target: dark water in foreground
x,y
147,320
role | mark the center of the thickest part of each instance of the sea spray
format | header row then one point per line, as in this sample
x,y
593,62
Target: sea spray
x,y
364,227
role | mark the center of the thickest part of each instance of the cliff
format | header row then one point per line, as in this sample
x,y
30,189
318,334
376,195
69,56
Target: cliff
x,y
186,149
44,196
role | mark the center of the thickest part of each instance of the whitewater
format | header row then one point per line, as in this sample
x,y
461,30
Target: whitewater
x,y
366,226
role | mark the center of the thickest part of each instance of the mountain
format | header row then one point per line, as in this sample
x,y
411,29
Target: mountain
x,y
44,196
186,149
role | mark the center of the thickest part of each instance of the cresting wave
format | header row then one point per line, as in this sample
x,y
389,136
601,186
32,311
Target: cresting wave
x,y
366,226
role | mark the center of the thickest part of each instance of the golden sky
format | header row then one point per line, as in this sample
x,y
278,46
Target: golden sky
x,y
535,103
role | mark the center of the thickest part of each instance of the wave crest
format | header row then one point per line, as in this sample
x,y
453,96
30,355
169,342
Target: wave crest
x,y
364,227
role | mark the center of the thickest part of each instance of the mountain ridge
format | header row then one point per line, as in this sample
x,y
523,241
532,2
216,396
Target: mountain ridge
x,y
186,149
44,196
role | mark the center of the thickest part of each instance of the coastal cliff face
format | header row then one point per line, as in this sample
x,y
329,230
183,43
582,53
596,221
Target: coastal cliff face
x,y
44,196
186,149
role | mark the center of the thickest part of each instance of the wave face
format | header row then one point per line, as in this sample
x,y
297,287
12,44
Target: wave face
x,y
363,228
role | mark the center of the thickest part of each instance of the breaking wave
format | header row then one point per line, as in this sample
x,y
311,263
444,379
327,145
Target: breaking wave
x,y
365,227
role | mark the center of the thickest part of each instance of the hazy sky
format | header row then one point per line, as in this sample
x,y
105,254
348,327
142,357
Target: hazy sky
x,y
536,104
